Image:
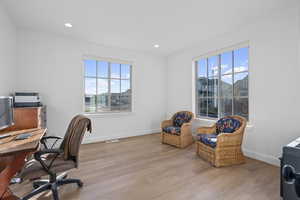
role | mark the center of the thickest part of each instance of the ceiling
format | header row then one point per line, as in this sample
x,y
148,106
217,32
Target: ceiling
x,y
140,24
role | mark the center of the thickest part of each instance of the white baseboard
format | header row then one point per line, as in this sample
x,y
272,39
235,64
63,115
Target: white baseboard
x,y
251,154
101,138
262,157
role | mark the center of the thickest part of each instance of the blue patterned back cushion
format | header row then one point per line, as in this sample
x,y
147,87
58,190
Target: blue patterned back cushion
x,y
181,117
227,125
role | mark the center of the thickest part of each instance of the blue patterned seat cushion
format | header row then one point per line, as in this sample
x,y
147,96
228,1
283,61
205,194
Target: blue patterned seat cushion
x,y
227,125
181,117
172,130
208,139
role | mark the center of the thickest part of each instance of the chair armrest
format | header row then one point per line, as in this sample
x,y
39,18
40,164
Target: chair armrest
x,y
186,128
46,138
187,124
229,139
166,123
207,129
38,156
51,137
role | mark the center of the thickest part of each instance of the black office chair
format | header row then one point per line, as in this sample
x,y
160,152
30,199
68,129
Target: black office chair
x,y
50,161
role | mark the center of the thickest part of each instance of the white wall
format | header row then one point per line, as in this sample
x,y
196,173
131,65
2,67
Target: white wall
x,y
52,65
299,34
274,81
7,53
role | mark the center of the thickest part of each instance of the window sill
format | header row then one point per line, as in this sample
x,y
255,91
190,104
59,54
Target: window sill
x,y
249,126
207,119
108,114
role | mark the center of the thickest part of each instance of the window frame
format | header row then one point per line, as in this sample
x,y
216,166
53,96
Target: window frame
x,y
109,78
218,53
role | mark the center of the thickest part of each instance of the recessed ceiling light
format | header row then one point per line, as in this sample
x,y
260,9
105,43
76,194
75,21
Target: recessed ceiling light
x,y
156,46
68,25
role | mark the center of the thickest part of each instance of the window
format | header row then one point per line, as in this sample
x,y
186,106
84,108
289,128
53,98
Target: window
x,y
222,84
107,86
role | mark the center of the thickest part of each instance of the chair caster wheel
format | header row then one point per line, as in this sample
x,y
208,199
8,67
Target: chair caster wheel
x,y
35,186
80,184
39,183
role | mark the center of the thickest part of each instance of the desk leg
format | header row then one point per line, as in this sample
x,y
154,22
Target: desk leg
x,y
13,166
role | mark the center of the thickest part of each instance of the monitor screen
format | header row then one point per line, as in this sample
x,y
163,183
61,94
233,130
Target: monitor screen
x,y
6,112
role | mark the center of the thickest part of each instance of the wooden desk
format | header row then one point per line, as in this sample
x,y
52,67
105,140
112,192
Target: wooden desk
x,y
12,157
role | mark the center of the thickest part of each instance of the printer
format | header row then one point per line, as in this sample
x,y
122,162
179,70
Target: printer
x,y
27,99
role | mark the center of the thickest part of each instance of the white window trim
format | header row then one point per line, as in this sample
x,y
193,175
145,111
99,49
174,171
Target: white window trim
x,y
213,53
222,50
249,126
108,113
107,59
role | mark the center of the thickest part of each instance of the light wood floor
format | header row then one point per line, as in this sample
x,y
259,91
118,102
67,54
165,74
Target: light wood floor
x,y
141,168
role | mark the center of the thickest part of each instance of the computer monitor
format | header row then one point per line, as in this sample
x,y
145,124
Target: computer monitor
x,y
6,112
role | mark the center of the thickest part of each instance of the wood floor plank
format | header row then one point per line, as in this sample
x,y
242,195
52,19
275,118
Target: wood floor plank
x,y
141,168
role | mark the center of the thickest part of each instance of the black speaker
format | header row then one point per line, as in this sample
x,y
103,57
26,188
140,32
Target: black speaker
x,y
290,172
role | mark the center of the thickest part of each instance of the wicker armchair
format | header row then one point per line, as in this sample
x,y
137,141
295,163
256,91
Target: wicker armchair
x,y
222,147
177,130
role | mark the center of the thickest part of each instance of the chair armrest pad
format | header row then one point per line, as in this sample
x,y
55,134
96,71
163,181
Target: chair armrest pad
x,y
166,123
